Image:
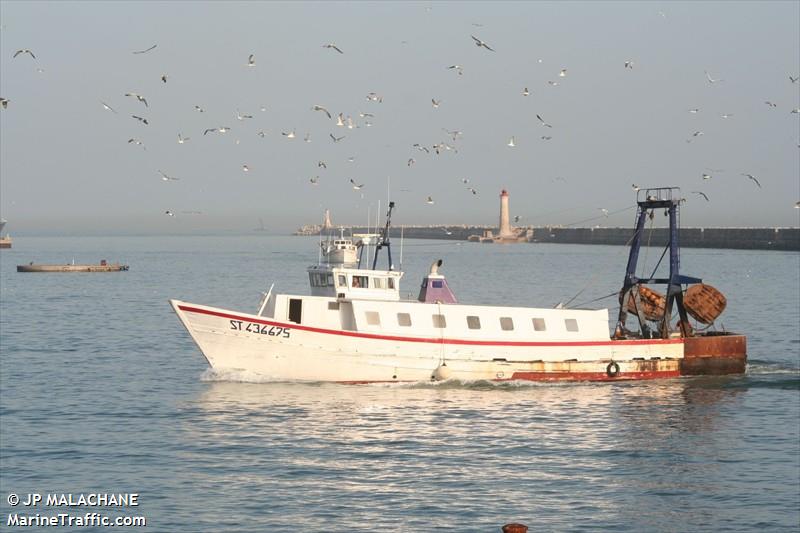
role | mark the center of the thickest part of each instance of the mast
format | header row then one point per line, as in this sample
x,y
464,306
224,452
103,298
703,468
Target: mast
x,y
383,240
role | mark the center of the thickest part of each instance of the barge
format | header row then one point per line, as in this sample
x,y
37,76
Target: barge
x,y
103,266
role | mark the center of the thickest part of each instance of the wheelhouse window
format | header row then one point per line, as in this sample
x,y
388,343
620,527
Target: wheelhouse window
x,y
437,283
329,280
360,282
391,283
373,318
506,323
539,325
474,322
404,319
571,324
439,321
377,283
342,280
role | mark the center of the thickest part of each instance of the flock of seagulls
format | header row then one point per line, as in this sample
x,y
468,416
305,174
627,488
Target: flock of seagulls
x,y
348,122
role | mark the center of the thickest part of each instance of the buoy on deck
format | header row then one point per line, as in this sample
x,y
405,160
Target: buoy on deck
x,y
441,373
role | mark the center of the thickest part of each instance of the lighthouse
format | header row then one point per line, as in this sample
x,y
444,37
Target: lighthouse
x,y
326,224
505,226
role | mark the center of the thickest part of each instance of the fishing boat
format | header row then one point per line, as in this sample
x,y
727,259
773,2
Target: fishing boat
x,y
354,327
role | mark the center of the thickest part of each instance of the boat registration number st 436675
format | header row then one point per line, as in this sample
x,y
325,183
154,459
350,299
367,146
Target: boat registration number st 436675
x,y
262,329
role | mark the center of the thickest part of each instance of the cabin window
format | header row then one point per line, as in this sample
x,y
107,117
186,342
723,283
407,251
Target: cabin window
x,y
404,319
439,321
506,323
571,323
391,283
329,280
342,281
360,281
373,318
474,322
437,283
295,310
539,325
377,283
312,279
333,306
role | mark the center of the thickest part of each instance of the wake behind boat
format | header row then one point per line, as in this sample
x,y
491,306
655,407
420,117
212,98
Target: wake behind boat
x,y
355,328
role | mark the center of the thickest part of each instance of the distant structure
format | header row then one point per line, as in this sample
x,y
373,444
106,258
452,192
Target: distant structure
x,y
5,241
507,234
316,229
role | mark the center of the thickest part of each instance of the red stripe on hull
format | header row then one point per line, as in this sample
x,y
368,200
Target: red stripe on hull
x,y
592,376
373,336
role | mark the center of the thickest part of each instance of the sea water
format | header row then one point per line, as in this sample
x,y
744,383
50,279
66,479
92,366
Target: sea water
x,y
102,391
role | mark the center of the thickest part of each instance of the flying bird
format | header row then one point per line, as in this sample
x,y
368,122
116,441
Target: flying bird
x,y
629,64
336,139
435,103
288,135
795,111
333,46
108,107
710,79
239,116
199,109
726,115
314,180
182,139
4,103
320,108
164,177
429,201
245,168
694,111
635,187
752,178
138,97
516,218
141,119
356,187
545,124
793,80
307,138
511,142
473,191
480,43
261,133
251,60
209,130
563,73
322,164
706,176
458,69
164,78
168,213
604,210
136,141
411,161
546,137
525,92
421,148
374,97
24,51
704,195
771,104
145,51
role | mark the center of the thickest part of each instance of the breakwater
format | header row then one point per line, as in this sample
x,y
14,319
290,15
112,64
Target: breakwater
x,y
786,239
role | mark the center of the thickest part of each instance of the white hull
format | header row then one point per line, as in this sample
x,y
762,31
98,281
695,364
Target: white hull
x,y
282,350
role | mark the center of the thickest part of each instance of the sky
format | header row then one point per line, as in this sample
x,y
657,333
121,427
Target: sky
x,y
66,166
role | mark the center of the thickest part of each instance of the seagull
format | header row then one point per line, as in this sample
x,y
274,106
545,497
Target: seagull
x,y
511,142
239,116
320,108
525,92
546,137
694,111
251,60
4,103
164,177
464,180
480,43
289,135
447,232
604,210
164,78
795,111
704,195
182,139
421,148
336,139
223,129
199,109
458,68
411,161
356,187
455,134
261,133
752,178
552,83
314,180
434,103
349,122
629,64
322,164
516,218
695,135
245,168
138,97
771,104
136,141
635,187
24,51
797,205
726,115
331,45
364,115
706,176
141,119
307,138
793,80
209,130
168,213
545,124
145,51
108,107
429,201
710,79
563,73
374,97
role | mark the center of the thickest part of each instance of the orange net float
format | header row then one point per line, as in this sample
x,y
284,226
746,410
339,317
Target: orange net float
x,y
653,303
704,303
